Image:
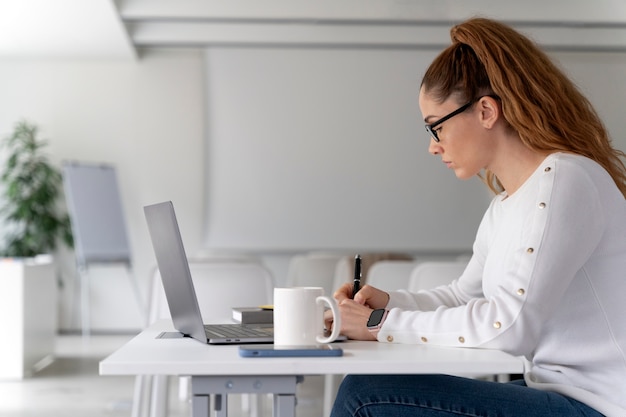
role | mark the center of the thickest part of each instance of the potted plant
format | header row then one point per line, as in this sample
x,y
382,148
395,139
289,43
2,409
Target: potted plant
x,y
32,187
31,228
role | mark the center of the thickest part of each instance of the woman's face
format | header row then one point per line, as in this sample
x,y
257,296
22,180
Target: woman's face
x,y
463,143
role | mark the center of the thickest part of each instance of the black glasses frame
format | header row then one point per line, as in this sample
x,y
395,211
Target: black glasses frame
x,y
430,128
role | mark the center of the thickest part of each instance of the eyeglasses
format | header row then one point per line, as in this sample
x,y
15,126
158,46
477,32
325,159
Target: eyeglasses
x,y
430,128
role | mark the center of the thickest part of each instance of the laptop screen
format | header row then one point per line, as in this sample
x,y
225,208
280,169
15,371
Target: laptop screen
x,y
174,268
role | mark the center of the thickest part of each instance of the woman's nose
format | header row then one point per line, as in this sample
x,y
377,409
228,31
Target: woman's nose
x,y
433,147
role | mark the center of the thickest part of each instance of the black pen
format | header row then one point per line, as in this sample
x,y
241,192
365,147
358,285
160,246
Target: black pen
x,y
357,275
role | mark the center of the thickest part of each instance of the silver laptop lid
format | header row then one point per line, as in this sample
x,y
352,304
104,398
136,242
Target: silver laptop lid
x,y
174,268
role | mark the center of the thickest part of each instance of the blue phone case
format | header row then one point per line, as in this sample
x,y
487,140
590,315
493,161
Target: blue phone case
x,y
271,351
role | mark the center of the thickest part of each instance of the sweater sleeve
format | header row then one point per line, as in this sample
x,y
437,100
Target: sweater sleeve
x,y
518,273
457,293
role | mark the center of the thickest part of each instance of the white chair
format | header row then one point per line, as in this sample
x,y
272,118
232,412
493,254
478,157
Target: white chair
x,y
431,274
314,269
391,275
220,284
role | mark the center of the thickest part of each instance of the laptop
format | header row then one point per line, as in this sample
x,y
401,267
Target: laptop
x,y
179,290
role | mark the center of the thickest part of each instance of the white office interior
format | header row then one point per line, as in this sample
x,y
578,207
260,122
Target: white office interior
x,y
275,128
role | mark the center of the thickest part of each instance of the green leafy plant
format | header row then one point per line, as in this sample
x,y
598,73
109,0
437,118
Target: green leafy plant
x,y
34,224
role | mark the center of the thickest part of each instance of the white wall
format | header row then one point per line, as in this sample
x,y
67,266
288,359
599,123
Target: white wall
x,y
331,152
147,118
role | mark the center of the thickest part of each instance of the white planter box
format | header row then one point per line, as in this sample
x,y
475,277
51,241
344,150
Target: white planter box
x,y
28,315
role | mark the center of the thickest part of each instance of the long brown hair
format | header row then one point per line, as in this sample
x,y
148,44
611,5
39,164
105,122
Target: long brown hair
x,y
538,100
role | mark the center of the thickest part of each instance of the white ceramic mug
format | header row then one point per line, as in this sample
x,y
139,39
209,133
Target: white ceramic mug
x,y
299,316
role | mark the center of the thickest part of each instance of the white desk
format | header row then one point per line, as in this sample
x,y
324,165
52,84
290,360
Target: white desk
x,y
219,370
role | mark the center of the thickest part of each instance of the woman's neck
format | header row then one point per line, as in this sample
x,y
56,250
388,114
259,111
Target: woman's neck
x,y
515,164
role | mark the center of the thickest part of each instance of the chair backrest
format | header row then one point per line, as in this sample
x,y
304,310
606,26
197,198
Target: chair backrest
x,y
314,269
391,275
345,267
432,274
220,285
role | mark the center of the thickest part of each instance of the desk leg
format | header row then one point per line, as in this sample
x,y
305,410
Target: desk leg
x,y
282,386
284,405
200,406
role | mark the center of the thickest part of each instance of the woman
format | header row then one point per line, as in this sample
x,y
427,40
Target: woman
x,y
547,278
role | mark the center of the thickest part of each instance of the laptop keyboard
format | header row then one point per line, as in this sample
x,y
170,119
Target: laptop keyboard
x,y
225,330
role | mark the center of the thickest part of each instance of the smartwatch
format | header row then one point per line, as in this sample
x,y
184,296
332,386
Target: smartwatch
x,y
376,320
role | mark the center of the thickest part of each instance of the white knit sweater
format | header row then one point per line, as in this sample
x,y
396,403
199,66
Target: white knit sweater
x,y
547,280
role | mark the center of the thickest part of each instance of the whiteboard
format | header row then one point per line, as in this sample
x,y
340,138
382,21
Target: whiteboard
x,y
96,214
326,149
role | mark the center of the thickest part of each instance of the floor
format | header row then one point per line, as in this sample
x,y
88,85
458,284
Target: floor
x,y
71,387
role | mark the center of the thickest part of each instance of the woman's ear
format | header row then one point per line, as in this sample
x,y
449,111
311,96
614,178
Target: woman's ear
x,y
489,111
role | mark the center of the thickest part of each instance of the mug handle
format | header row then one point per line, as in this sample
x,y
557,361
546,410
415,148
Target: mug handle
x,y
336,318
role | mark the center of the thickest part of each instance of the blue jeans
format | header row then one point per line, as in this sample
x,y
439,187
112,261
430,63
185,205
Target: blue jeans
x,y
443,396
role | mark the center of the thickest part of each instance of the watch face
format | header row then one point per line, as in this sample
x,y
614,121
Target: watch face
x,y
376,317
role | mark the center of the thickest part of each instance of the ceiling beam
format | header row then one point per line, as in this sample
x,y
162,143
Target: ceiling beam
x,y
562,11
190,34
367,23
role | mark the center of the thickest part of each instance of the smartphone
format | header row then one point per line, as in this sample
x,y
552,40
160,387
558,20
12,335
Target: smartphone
x,y
273,351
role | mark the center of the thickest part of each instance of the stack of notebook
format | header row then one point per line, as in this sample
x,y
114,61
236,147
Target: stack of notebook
x,y
253,315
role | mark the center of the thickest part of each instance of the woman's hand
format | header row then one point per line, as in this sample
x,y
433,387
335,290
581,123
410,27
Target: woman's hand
x,y
368,296
355,313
